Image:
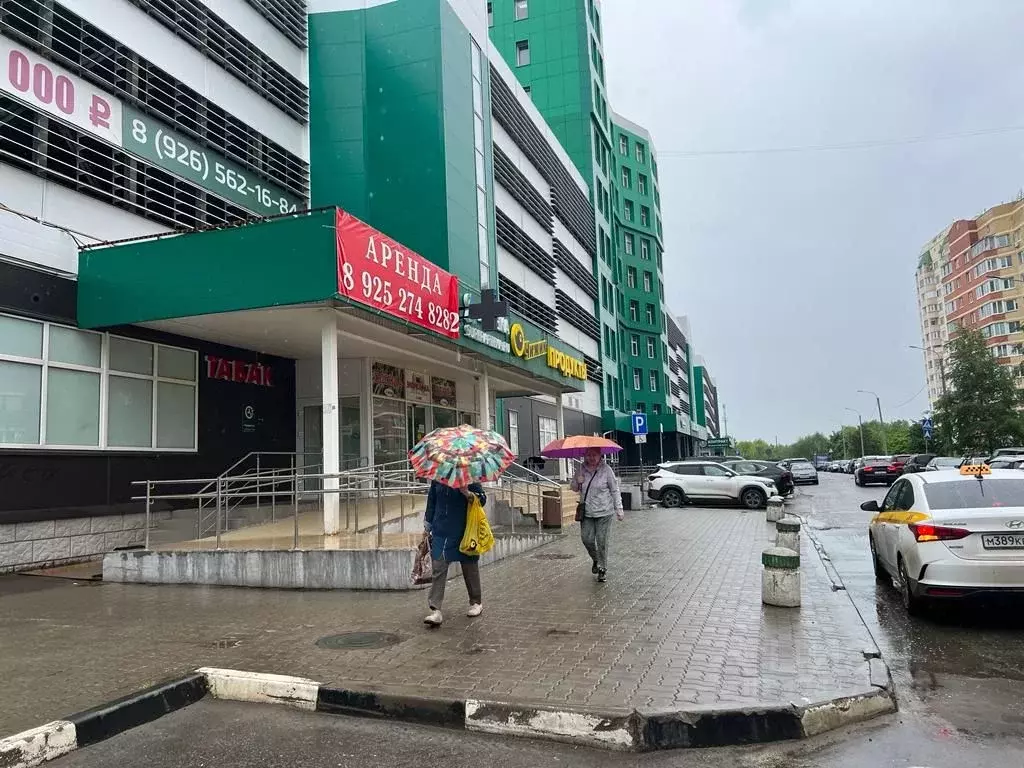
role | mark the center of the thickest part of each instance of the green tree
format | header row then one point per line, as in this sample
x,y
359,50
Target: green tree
x,y
980,411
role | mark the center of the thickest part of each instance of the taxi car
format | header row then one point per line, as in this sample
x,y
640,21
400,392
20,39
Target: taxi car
x,y
950,535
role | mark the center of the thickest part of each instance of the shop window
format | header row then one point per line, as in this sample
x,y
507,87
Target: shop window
x,y
513,432
60,383
548,429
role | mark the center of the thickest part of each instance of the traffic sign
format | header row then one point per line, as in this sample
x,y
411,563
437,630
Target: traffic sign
x,y
639,423
927,433
927,423
640,439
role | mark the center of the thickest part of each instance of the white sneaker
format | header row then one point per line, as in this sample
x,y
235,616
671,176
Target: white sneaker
x,y
475,610
435,619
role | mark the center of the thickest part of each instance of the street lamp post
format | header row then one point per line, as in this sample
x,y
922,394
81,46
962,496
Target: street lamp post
x,y
881,421
860,421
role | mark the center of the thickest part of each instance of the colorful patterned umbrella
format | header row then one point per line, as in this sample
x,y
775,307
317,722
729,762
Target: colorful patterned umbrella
x,y
458,456
576,446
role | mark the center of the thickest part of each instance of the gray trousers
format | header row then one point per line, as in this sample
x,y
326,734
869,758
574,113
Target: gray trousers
x,y
470,574
595,538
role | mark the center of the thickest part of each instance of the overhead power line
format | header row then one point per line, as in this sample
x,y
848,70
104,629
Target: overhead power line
x,y
840,147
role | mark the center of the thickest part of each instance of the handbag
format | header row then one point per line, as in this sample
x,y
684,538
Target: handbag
x,y
581,508
422,569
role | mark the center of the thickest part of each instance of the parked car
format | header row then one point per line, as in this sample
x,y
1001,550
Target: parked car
x,y
787,463
876,469
900,460
1007,462
943,462
850,466
804,473
950,536
1004,452
677,483
917,463
782,477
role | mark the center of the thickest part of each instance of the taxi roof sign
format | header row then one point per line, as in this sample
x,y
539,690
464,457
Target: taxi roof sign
x,y
975,470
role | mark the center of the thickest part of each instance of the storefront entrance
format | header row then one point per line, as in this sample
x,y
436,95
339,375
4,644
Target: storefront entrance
x,y
311,439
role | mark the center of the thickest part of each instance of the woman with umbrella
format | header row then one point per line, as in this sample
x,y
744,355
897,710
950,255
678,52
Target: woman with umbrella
x,y
599,493
455,460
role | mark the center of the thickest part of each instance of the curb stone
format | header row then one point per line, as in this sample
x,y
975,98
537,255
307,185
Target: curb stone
x,y
621,730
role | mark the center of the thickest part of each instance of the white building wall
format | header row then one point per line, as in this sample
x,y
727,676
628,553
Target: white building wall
x,y
569,287
511,208
49,247
149,38
525,277
241,16
574,246
508,145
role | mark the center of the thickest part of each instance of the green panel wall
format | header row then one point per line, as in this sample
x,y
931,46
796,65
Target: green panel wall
x,y
697,402
272,263
391,127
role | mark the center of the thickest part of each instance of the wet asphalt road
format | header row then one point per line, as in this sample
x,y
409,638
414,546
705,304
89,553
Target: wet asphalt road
x,y
959,679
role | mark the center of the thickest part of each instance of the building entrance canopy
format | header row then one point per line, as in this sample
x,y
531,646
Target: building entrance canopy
x,y
251,283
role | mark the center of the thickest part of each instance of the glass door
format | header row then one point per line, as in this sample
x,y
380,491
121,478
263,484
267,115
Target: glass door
x,y
312,457
418,426
351,432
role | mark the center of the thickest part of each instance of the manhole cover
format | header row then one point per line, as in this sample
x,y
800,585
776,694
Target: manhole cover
x,y
553,556
359,641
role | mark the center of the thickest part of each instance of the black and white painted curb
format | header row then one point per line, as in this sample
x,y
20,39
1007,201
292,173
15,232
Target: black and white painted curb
x,y
626,730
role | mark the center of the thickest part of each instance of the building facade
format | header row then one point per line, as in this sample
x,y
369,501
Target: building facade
x,y
555,50
353,179
977,265
932,314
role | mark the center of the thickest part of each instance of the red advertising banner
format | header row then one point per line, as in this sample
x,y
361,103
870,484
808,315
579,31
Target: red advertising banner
x,y
375,270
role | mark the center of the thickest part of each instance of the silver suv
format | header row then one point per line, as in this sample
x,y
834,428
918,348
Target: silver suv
x,y
677,483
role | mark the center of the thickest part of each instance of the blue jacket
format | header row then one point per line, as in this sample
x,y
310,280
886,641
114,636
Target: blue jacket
x,y
446,520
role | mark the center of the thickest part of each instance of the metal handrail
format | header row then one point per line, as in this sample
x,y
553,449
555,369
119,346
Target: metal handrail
x,y
401,483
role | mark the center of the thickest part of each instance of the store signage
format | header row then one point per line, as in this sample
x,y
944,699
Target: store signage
x,y
240,371
475,333
54,90
417,387
169,149
569,366
443,391
388,381
381,273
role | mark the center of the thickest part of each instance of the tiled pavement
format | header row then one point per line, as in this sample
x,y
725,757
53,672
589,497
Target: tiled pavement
x,y
679,623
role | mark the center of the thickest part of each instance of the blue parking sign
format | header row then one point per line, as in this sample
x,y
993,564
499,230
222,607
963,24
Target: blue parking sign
x,y
639,423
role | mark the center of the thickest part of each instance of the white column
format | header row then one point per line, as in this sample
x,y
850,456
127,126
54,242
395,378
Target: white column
x,y
563,465
331,431
483,405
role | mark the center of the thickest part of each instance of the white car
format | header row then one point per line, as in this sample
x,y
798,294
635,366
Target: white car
x,y
804,472
677,483
950,535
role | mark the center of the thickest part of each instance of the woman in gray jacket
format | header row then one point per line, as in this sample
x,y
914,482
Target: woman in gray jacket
x,y
599,493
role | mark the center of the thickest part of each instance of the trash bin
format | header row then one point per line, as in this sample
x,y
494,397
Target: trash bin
x,y
627,499
551,509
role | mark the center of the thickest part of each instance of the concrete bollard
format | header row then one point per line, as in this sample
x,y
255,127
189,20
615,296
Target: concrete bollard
x,y
774,509
780,579
787,533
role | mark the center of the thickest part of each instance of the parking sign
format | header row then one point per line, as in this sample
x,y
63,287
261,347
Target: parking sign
x,y
639,423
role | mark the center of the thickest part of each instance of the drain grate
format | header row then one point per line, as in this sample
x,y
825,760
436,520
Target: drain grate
x,y
553,556
359,641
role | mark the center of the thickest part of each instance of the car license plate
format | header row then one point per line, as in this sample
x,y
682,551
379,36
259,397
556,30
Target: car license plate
x,y
1003,541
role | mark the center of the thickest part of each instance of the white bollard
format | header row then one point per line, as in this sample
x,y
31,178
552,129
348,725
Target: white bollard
x,y
774,509
780,579
787,533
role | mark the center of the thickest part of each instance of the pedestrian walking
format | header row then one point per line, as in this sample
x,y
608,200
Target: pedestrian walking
x,y
445,524
600,500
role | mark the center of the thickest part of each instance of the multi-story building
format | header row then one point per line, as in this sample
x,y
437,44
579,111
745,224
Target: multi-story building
x,y
705,398
931,312
361,179
680,383
555,50
978,262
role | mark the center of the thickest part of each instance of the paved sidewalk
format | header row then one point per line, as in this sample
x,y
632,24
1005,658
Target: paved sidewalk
x,y
679,623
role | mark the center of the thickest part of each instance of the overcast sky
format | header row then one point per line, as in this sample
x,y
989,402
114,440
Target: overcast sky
x,y
797,268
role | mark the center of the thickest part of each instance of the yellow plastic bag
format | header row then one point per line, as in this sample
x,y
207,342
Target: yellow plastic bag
x,y
478,538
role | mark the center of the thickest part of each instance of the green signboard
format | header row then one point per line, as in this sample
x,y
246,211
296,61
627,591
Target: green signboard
x,y
174,152
719,442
